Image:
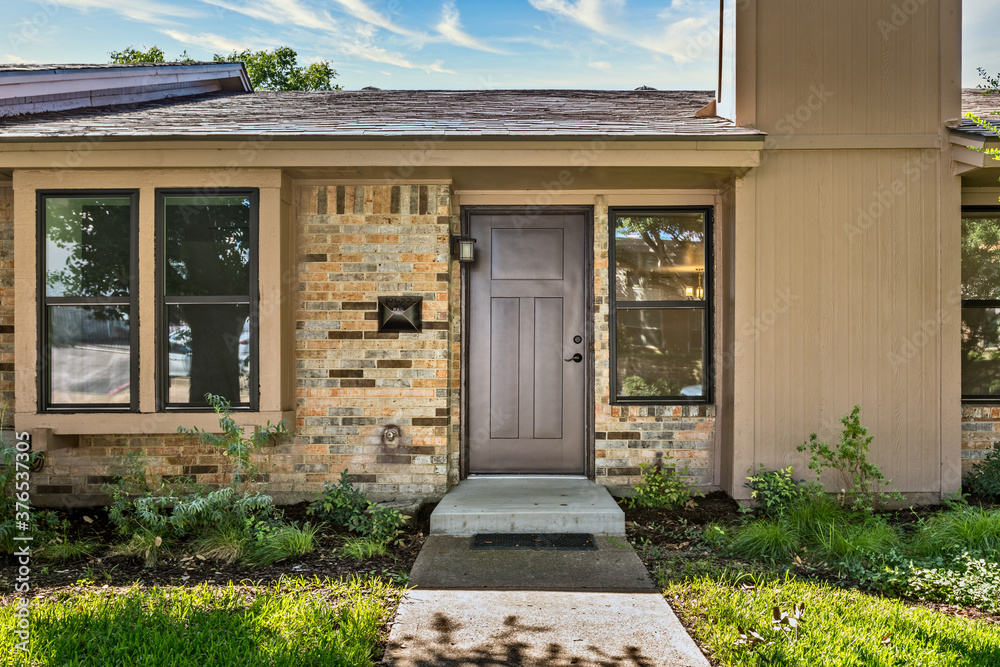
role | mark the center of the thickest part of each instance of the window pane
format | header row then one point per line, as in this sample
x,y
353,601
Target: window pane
x,y
87,246
660,257
660,352
208,349
89,355
980,256
980,351
207,245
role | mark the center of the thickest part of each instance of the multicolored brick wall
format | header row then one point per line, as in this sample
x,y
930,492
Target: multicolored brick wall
x,y
355,244
627,436
980,433
7,296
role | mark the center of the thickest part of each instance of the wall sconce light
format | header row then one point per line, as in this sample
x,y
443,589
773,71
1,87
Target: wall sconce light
x,y
692,292
463,248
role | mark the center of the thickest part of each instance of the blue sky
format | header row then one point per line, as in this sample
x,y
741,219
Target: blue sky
x,y
458,44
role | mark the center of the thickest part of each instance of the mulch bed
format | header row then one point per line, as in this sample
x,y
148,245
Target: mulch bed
x,y
183,569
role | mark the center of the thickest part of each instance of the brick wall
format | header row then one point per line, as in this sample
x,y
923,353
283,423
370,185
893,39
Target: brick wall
x,y
980,433
629,435
7,296
356,243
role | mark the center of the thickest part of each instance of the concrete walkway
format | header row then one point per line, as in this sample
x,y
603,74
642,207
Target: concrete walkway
x,y
550,628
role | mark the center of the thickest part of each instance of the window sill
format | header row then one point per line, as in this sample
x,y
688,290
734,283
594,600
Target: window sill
x,y
131,423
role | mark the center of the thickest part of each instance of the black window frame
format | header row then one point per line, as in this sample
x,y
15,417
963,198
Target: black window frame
x,y
979,303
43,368
162,302
706,304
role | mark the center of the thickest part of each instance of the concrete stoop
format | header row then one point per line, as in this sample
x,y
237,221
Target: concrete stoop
x,y
538,504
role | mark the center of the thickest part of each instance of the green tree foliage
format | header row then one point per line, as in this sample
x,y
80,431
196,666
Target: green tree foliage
x,y
279,70
268,70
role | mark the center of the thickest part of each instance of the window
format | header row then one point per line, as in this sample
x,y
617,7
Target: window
x,y
661,278
87,300
207,297
981,303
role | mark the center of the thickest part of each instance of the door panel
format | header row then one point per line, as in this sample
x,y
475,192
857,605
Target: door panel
x,y
526,304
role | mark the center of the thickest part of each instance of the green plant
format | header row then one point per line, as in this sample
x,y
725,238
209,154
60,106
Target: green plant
x,y
776,491
142,544
974,530
61,548
765,539
660,487
283,542
345,506
235,445
14,467
362,548
984,478
853,544
227,544
863,481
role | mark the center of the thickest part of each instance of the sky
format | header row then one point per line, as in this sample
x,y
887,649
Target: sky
x,y
429,44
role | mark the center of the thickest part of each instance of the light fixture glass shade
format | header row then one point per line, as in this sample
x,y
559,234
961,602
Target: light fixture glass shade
x,y
464,248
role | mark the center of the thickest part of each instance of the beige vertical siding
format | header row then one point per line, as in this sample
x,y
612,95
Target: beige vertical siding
x,y
845,281
877,61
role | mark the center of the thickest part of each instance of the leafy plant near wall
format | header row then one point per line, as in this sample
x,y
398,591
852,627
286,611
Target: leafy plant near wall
x,y
863,481
984,478
661,486
776,492
345,506
150,514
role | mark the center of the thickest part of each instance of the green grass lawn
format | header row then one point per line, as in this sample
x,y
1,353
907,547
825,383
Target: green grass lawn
x,y
296,622
842,628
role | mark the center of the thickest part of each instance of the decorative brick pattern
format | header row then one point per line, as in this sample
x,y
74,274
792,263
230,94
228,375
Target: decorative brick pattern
x,y
629,435
357,243
980,433
7,296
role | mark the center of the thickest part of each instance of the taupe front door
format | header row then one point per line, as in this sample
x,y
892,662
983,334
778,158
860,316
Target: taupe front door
x,y
527,344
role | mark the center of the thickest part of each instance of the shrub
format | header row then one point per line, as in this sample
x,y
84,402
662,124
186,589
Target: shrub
x,y
775,491
984,478
42,524
959,579
765,539
660,487
142,544
853,544
345,506
362,548
863,481
972,529
284,542
227,544
808,518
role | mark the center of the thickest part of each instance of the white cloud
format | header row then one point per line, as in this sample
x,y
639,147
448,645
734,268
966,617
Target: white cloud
x,y
600,64
146,12
588,13
361,11
685,40
450,28
355,40
217,43
8,58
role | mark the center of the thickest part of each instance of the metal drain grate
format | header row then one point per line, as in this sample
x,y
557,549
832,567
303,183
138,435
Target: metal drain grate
x,y
547,541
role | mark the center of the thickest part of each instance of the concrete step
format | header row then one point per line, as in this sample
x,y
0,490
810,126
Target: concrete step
x,y
537,504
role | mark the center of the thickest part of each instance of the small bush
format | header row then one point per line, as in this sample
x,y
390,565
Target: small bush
x,y
775,491
660,487
227,544
345,506
984,479
765,539
863,481
285,542
853,544
61,549
973,530
142,544
362,548
959,579
809,518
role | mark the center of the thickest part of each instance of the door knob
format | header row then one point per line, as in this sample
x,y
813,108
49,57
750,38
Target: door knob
x,y
576,357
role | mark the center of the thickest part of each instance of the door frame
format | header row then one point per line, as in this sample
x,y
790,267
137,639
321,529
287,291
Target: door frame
x,y
588,337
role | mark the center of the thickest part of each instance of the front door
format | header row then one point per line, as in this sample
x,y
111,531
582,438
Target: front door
x,y
527,355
